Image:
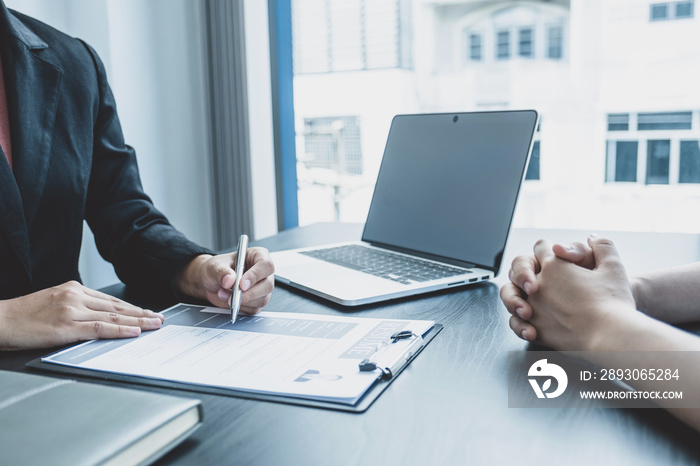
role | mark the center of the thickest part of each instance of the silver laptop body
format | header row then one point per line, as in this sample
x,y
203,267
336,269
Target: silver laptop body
x,y
445,195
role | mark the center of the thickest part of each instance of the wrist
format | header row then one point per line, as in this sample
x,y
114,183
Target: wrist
x,y
637,288
621,331
189,280
4,326
7,326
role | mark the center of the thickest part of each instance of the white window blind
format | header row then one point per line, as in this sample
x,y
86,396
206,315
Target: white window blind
x,y
349,35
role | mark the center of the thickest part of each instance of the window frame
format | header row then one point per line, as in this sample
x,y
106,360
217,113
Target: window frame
x,y
691,14
531,30
658,178
470,47
644,137
612,158
680,161
549,44
499,44
671,10
654,6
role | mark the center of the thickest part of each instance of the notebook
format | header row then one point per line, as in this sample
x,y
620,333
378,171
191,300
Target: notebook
x,y
63,422
440,214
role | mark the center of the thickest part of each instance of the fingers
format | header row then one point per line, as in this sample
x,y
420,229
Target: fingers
x,y
514,302
112,317
522,273
257,281
520,310
99,329
99,309
604,252
257,297
218,278
543,251
102,302
576,253
220,269
226,280
84,314
223,297
260,266
524,268
523,329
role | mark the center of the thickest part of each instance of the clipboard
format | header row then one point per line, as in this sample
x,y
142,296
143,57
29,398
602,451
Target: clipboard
x,y
370,395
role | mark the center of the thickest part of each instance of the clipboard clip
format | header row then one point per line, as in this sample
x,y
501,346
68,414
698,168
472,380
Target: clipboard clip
x,y
384,357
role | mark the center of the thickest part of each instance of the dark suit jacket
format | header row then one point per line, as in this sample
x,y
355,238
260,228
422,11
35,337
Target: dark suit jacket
x,y
71,164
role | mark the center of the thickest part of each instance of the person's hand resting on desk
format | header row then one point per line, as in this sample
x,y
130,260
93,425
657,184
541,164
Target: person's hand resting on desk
x,y
669,295
578,298
68,313
71,312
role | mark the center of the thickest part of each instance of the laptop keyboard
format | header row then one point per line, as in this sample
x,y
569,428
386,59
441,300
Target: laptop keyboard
x,y
396,267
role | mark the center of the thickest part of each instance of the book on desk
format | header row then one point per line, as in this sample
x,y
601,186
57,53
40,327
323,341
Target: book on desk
x,y
44,420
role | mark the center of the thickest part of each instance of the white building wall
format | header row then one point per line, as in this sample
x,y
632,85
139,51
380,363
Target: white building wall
x,y
615,61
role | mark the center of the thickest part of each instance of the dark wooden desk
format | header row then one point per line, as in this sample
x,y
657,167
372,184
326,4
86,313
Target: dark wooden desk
x,y
450,405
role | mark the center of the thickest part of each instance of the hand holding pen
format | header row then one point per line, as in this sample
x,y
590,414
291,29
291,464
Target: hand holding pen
x,y
212,278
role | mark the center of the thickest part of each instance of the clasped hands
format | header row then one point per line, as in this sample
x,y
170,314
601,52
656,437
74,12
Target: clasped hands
x,y
569,296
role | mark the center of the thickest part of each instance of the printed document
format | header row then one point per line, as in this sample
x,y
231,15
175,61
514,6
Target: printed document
x,y
301,355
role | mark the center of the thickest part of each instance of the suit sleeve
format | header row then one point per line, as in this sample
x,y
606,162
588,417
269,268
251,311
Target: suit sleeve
x,y
146,250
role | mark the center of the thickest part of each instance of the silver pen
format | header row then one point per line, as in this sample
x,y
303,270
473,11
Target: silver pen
x,y
240,269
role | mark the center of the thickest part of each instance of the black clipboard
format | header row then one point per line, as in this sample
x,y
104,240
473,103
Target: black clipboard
x,y
381,384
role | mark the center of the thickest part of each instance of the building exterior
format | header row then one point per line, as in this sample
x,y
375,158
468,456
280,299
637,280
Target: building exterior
x,y
616,82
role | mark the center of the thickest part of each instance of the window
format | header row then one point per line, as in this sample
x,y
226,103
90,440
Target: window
x,y
475,47
671,10
483,56
525,48
333,143
663,145
689,170
659,12
502,45
555,43
533,168
514,41
622,161
618,122
659,121
658,156
350,35
684,10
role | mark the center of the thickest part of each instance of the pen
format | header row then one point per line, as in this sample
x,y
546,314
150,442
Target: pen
x,y
240,268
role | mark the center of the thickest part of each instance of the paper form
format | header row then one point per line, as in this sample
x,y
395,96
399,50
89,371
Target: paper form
x,y
303,355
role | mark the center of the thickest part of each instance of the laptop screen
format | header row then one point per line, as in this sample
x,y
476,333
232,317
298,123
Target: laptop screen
x,y
448,184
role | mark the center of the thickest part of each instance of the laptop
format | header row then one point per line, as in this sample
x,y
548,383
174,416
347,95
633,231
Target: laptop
x,y
440,214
